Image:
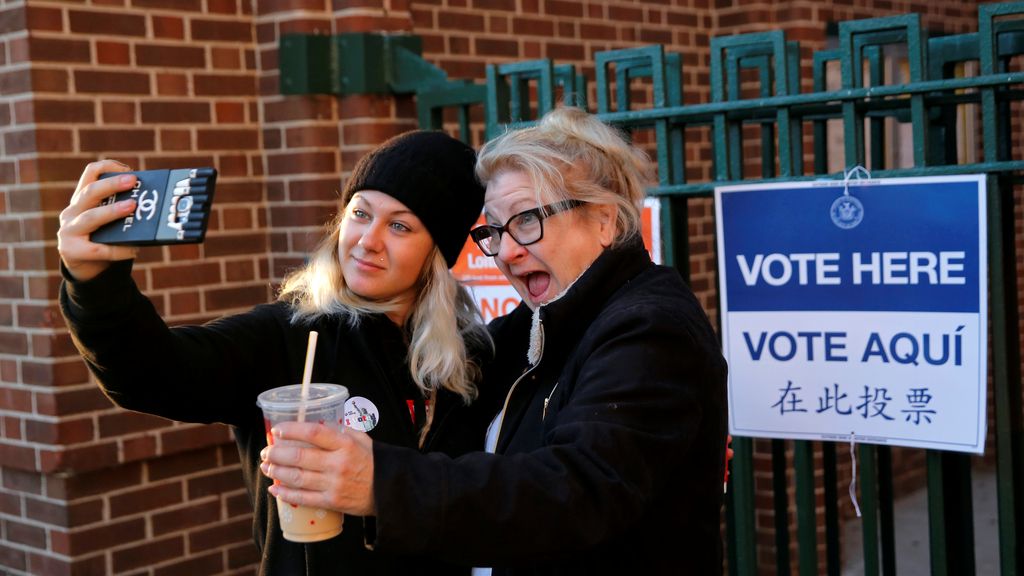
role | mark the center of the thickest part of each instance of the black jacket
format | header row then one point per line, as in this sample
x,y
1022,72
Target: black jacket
x,y
213,373
611,448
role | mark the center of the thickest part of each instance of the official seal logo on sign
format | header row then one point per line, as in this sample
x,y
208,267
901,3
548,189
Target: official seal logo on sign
x,y
361,414
846,212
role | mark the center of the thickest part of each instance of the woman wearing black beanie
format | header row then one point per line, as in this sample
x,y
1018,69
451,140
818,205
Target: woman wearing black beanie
x,y
394,327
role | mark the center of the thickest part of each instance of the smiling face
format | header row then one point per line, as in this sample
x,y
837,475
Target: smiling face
x,y
572,240
382,248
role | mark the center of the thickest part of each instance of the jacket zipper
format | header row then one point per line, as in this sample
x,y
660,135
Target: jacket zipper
x,y
540,356
546,400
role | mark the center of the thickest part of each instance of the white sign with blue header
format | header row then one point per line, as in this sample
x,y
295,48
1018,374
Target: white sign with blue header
x,y
856,310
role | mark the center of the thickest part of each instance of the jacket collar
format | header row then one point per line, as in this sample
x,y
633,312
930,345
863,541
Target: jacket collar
x,y
571,312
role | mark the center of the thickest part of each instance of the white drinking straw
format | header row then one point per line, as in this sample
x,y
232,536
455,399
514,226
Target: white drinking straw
x,y
307,373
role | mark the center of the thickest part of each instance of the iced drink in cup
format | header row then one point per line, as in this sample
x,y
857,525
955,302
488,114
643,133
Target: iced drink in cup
x,y
324,405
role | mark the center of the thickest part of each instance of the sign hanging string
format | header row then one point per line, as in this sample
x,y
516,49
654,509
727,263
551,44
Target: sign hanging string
x,y
853,474
858,172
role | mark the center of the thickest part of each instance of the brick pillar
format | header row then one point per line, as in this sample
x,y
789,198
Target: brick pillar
x,y
86,488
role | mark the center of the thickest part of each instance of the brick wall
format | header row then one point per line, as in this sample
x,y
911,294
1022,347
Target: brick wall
x,y
86,488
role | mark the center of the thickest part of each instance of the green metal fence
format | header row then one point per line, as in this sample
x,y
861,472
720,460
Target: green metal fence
x,y
755,87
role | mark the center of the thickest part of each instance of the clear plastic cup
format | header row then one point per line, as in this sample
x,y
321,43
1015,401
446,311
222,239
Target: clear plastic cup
x,y
325,405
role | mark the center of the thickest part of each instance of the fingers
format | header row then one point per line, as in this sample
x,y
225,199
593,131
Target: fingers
x,y
319,435
93,171
88,211
299,497
295,477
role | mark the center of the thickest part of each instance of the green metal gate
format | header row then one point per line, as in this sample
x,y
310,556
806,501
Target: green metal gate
x,y
755,86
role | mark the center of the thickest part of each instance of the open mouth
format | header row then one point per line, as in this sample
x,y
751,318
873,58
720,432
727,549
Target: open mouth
x,y
537,284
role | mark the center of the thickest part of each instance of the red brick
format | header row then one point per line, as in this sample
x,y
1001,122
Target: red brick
x,y
107,23
463,22
60,50
11,428
41,19
54,140
493,47
223,30
212,563
179,5
44,80
126,422
106,536
308,108
177,140
145,499
25,534
15,82
113,53
188,438
215,484
119,139
69,402
62,514
15,400
138,448
79,458
10,504
241,297
52,345
13,343
13,558
191,274
23,481
54,374
23,457
175,465
240,219
168,27
239,271
532,26
149,553
63,111
187,517
220,139
229,112
53,566
97,82
292,216
168,84
225,59
62,432
171,56
224,85
229,533
175,112
324,190
312,136
304,163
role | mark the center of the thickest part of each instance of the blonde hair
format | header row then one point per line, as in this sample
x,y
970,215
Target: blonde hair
x,y
444,319
571,155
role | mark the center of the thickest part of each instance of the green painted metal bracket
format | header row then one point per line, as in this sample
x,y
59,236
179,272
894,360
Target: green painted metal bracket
x,y
355,63
372,63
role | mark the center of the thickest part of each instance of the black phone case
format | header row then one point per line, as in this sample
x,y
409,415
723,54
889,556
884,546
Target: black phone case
x,y
173,208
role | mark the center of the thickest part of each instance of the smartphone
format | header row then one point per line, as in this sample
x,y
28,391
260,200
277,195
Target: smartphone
x,y
173,208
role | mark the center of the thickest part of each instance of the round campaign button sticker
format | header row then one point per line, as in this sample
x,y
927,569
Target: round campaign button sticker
x,y
361,414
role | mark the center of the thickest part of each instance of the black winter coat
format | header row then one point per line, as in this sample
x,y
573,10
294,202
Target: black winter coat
x,y
611,448
213,373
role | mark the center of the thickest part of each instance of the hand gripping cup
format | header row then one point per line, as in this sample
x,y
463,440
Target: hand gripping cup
x,y
326,405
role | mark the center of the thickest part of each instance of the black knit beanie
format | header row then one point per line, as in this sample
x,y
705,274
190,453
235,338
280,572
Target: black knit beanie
x,y
433,175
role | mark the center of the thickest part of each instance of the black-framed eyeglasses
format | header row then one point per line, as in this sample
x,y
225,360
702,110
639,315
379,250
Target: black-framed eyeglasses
x,y
525,228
